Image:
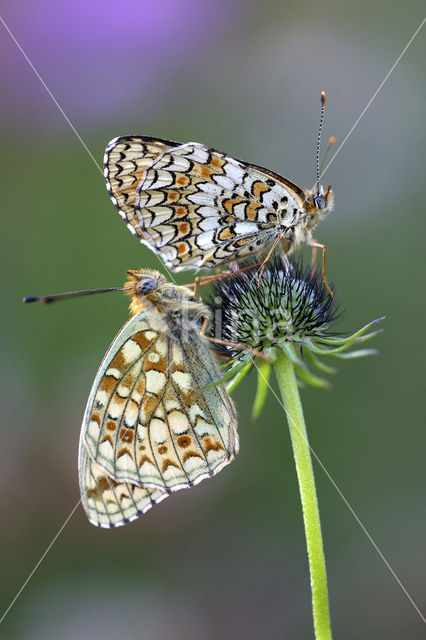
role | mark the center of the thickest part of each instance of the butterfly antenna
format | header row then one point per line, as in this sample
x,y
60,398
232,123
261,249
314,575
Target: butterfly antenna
x,y
70,294
319,140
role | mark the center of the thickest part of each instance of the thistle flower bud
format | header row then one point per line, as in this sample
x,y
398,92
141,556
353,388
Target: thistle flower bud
x,y
290,304
289,309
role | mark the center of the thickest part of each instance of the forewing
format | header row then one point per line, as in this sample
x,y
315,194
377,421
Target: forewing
x,y
125,161
197,207
150,422
202,208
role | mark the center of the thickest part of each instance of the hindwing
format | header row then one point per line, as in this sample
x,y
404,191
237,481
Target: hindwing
x,y
151,426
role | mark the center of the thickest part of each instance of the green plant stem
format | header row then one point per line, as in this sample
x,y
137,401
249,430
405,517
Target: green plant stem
x,y
290,394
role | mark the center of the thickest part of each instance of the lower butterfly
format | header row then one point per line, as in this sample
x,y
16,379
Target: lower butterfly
x,y
197,207
155,421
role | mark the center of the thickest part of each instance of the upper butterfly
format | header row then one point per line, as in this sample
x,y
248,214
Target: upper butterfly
x,y
197,207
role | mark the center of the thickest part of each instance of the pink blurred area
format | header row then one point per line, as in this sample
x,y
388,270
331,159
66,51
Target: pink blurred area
x,y
100,58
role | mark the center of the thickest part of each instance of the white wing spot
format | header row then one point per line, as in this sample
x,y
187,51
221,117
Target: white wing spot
x,y
106,449
93,430
194,411
234,171
183,380
131,414
202,428
224,182
199,154
155,381
178,421
192,464
124,463
205,239
176,354
131,350
246,227
115,410
136,396
101,397
210,187
201,198
158,430
122,390
115,373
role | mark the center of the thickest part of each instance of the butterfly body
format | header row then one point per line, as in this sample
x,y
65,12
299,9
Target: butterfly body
x,y
151,426
199,208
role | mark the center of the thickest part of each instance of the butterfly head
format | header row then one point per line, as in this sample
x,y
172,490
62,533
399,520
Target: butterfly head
x,y
143,286
318,203
146,286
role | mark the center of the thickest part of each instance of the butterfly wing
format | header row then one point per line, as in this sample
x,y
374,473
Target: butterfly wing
x,y
125,160
150,426
108,502
197,207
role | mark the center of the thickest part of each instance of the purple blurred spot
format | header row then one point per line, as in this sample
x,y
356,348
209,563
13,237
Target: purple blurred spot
x,y
101,57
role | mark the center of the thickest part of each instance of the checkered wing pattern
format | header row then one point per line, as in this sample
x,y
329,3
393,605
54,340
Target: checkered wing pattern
x,y
197,207
151,427
111,503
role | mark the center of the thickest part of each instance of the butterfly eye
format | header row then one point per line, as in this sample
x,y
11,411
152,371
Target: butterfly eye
x,y
320,202
146,285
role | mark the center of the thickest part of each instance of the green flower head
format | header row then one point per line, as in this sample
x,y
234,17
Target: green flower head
x,y
291,309
289,304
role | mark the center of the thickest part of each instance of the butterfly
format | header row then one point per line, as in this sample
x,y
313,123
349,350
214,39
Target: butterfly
x,y
152,424
197,207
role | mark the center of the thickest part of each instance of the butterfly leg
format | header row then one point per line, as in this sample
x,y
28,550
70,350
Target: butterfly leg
x,y
223,276
284,255
266,260
313,260
285,245
314,257
199,281
228,343
323,248
218,272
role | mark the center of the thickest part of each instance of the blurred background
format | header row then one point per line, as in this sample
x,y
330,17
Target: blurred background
x,y
226,559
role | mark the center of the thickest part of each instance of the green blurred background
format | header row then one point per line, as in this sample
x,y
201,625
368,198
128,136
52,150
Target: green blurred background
x,y
226,559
